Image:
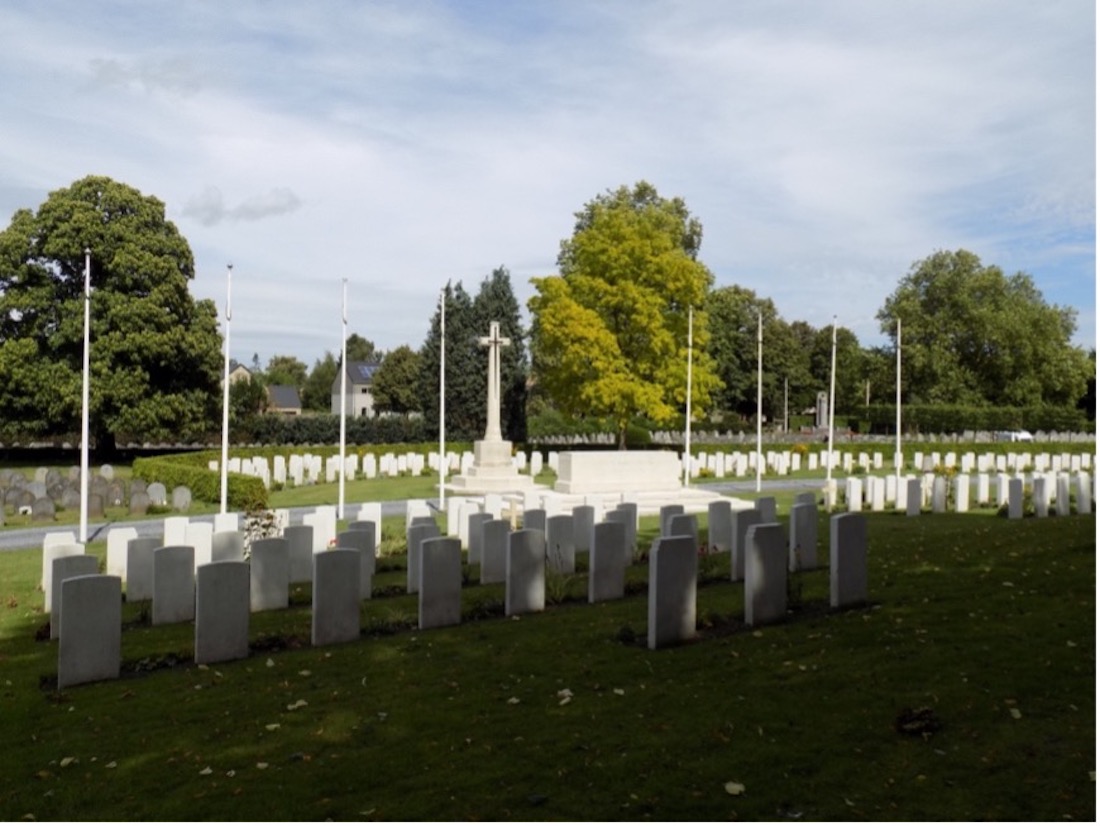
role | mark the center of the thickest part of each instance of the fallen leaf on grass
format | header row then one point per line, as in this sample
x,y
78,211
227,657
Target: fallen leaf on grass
x,y
207,770
618,691
1015,712
296,705
270,663
734,788
67,761
271,726
303,673
112,765
261,765
513,701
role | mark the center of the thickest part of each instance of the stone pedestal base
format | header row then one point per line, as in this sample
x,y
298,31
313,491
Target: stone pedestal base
x,y
492,471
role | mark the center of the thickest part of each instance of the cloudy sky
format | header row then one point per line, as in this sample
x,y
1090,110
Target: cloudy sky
x,y
825,145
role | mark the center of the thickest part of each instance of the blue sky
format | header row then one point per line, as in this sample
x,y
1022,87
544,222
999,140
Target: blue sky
x,y
824,145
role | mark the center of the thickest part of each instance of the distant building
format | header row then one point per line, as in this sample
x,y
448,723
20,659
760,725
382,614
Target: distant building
x,y
283,398
360,400
238,372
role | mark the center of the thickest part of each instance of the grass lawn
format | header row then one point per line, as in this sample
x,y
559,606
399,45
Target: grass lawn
x,y
987,624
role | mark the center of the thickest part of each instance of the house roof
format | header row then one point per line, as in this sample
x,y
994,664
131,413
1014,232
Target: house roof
x,y
236,365
284,396
361,372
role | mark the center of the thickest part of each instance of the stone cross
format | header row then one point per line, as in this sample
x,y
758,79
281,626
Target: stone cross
x,y
494,342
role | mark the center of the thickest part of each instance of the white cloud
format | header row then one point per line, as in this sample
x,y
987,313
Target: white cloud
x,y
824,146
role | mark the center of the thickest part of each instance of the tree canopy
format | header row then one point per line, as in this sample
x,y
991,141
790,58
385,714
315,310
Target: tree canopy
x,y
155,351
972,335
285,370
609,335
467,319
395,385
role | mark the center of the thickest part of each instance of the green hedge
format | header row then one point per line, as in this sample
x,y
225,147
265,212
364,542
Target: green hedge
x,y
244,492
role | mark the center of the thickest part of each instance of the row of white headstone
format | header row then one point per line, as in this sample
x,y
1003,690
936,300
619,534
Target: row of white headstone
x,y
783,462
1050,490
218,595
308,468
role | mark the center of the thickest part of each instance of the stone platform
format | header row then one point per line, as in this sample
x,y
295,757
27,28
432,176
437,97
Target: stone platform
x,y
491,472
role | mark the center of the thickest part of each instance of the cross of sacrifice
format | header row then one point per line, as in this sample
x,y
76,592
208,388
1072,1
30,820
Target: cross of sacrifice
x,y
494,342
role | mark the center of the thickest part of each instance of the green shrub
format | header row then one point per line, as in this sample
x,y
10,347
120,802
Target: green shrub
x,y
243,492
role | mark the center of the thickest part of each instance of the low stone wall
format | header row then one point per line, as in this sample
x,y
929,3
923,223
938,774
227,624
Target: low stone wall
x,y
616,471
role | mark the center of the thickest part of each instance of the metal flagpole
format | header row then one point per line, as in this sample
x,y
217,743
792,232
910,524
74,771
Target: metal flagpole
x,y
687,416
343,394
832,407
225,389
759,398
898,462
442,388
84,478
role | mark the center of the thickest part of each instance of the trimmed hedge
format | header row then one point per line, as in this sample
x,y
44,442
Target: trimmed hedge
x,y
244,492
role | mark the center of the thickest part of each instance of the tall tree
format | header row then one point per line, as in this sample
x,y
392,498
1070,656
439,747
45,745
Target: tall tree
x,y
396,382
317,390
852,366
465,385
495,301
609,335
155,351
972,335
733,313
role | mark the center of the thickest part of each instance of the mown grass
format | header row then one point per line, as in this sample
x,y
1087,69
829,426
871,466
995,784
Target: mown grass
x,y
988,623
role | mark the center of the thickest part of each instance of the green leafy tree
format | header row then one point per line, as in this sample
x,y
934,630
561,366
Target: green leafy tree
x,y
733,313
247,398
155,356
972,335
852,366
317,390
362,349
285,370
495,301
396,383
609,335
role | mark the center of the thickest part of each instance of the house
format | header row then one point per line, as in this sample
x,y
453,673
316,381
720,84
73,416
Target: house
x,y
238,372
360,401
283,398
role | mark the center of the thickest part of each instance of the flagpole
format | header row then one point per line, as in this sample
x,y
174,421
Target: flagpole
x,y
898,461
832,408
442,389
84,477
687,415
343,394
225,391
759,398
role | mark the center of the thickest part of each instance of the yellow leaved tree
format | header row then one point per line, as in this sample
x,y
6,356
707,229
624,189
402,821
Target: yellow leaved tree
x,y
609,336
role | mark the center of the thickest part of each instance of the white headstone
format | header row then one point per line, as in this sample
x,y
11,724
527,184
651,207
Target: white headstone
x,y
673,571
439,592
221,611
335,614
